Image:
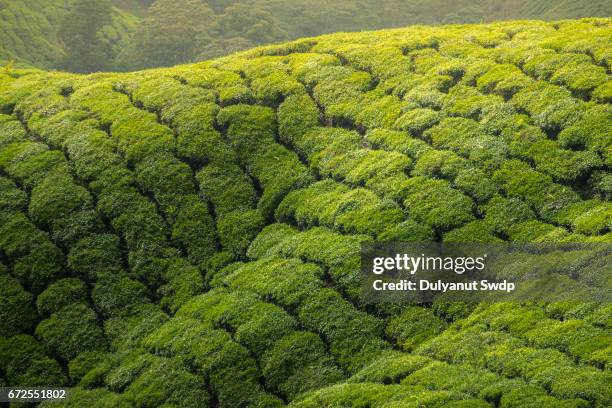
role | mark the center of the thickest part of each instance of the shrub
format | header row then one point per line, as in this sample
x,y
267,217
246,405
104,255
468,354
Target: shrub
x,y
166,178
248,128
227,187
25,363
57,197
11,130
581,78
300,154
70,331
397,141
335,205
62,293
603,92
413,326
183,282
502,213
602,185
279,171
475,231
194,229
299,280
588,217
30,162
590,132
36,260
407,231
12,199
535,188
443,376
424,199
80,366
167,382
96,256
128,329
114,295
504,80
296,116
391,368
268,238
563,165
354,336
17,312
442,164
551,107
298,363
534,230
359,166
465,136
260,333
378,111
467,102
272,88
235,378
476,184
237,229
416,121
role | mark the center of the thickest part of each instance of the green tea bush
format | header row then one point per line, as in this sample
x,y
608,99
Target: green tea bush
x,y
24,362
237,229
17,311
71,330
113,296
398,141
423,200
502,213
227,187
474,231
166,382
536,189
551,107
413,326
62,293
298,363
36,261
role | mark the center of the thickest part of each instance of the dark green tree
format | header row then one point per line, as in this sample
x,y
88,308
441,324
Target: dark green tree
x,y
243,20
173,32
86,51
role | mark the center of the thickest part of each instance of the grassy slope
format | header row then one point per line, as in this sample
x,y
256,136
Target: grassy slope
x,y
456,133
28,32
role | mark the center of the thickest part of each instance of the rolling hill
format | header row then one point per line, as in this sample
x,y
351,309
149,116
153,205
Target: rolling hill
x,y
29,31
190,236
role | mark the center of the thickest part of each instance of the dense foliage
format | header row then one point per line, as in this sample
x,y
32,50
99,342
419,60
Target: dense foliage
x,y
31,31
148,33
190,236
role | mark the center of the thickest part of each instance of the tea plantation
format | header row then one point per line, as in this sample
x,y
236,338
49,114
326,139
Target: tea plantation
x,y
189,237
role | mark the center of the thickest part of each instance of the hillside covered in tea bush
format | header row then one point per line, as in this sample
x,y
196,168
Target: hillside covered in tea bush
x,y
189,237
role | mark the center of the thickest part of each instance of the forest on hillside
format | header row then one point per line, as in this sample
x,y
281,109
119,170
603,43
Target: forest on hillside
x,y
86,36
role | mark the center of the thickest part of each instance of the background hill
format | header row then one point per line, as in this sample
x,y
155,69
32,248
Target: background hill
x,y
29,30
190,236
179,31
